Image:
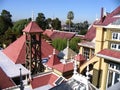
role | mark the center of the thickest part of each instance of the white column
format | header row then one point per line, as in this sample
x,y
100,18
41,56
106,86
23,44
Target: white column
x,y
113,78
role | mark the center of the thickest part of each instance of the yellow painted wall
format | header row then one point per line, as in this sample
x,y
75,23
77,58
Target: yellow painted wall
x,y
57,72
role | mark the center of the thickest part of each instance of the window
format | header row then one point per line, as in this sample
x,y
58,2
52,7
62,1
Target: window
x,y
86,53
113,74
115,36
115,46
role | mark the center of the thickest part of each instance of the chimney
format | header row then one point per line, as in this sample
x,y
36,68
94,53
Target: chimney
x,y
102,12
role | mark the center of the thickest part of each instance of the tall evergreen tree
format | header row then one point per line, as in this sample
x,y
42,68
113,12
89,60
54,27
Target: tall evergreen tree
x,y
56,24
41,20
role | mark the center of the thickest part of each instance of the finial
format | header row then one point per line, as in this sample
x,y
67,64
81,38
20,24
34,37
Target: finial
x,y
53,51
32,16
75,68
96,17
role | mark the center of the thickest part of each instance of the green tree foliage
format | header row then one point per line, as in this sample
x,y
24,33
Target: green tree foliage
x,y
59,43
69,22
5,23
3,26
56,24
74,44
82,27
7,17
9,37
19,26
48,23
41,20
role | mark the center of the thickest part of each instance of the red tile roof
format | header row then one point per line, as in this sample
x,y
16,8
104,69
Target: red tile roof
x,y
32,27
91,33
80,57
110,53
47,49
53,34
53,60
17,50
48,32
5,81
43,80
64,67
110,17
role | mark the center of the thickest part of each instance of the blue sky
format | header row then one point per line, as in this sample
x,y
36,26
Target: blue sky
x,y
82,9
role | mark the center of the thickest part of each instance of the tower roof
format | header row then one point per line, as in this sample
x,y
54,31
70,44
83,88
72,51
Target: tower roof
x,y
53,60
32,27
64,67
79,57
67,53
16,51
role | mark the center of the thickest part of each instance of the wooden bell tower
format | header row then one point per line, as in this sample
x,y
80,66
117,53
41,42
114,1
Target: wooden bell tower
x,y
33,48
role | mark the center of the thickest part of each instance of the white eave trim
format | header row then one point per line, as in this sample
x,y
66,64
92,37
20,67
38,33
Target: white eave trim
x,y
108,58
86,45
108,26
112,26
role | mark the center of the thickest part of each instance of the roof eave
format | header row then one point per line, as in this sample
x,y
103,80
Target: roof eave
x,y
109,58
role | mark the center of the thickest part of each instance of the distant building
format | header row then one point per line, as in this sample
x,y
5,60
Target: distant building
x,y
53,34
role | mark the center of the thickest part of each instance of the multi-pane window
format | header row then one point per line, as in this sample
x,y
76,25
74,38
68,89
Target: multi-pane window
x,y
115,46
115,36
113,74
86,53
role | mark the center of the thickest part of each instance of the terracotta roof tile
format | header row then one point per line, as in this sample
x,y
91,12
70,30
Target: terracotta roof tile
x,y
5,81
91,33
48,32
110,17
64,67
53,60
47,49
53,34
80,57
32,27
40,81
110,53
52,79
43,80
17,50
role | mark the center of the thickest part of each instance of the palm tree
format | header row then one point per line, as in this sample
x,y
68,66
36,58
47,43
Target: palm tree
x,y
70,16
